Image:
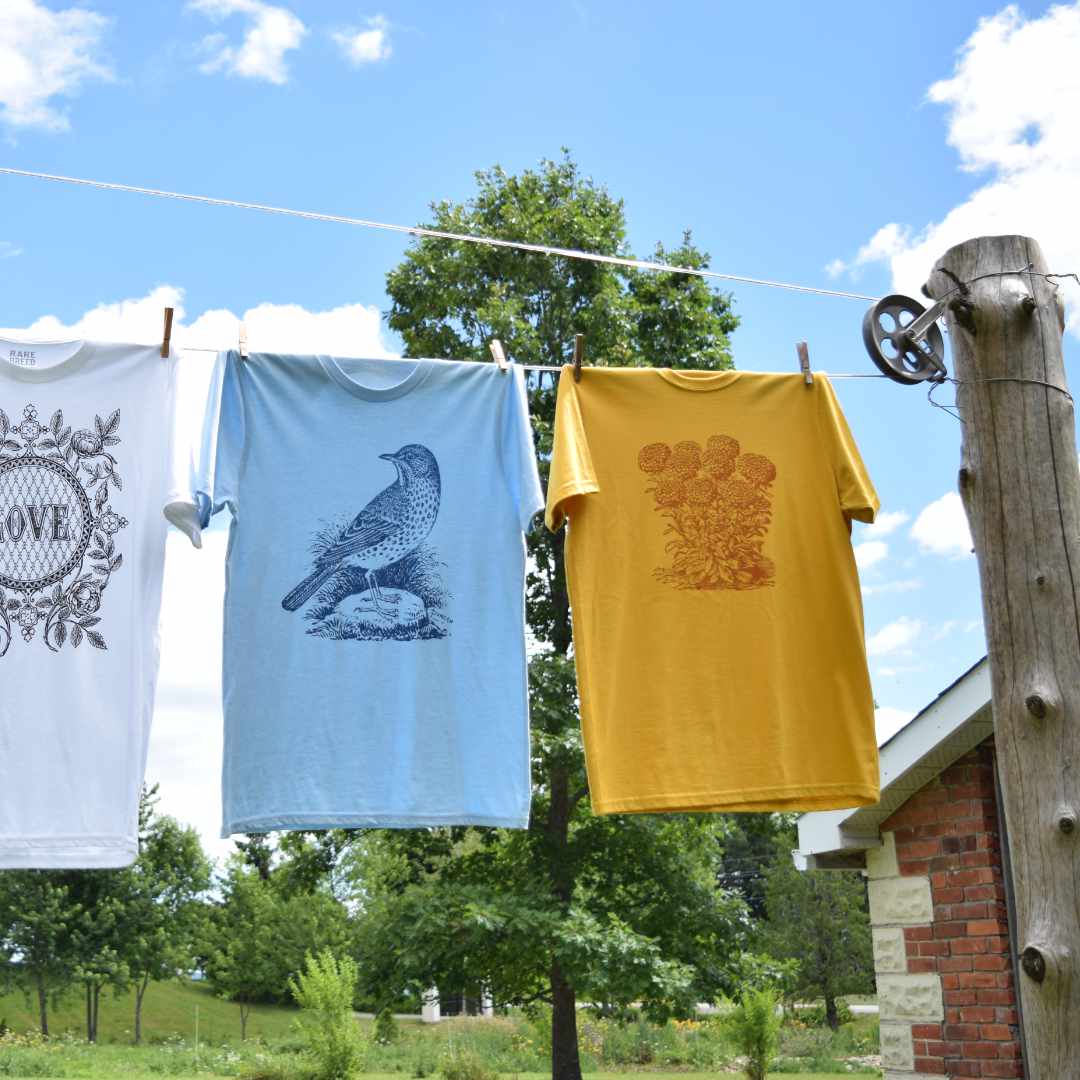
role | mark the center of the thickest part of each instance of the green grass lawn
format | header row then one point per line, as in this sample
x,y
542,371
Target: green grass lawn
x,y
168,1009
110,1070
169,1019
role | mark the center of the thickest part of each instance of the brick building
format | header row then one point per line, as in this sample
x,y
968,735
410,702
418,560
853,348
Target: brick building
x,y
935,856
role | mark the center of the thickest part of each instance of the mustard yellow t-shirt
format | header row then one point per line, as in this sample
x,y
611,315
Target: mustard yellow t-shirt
x,y
718,628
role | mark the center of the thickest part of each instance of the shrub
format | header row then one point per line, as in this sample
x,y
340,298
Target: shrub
x,y
755,1028
815,1016
386,1029
424,1065
465,1065
324,991
799,1041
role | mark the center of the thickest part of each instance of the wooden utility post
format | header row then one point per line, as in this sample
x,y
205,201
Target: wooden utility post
x,y
1021,489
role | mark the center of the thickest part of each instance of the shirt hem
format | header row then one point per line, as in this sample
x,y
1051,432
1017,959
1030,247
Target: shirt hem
x,y
816,797
67,853
278,822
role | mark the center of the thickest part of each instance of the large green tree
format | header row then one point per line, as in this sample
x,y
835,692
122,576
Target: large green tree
x,y
266,920
750,850
819,918
162,910
238,947
612,909
39,920
98,936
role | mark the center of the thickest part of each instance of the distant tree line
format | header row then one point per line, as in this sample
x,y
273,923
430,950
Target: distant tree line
x,y
62,930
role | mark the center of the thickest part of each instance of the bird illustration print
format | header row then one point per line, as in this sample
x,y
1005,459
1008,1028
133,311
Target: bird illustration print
x,y
382,536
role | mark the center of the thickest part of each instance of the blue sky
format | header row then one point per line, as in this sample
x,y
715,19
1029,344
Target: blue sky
x,y
844,145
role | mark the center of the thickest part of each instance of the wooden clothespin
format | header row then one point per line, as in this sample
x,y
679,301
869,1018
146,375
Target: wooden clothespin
x,y
804,362
243,342
579,355
498,354
166,337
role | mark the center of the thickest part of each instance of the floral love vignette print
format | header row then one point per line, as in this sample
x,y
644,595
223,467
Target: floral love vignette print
x,y
54,517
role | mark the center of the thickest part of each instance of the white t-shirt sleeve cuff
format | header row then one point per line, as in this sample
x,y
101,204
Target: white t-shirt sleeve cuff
x,y
186,514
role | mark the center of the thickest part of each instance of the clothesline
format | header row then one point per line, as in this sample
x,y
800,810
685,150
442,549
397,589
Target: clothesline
x,y
416,230
527,367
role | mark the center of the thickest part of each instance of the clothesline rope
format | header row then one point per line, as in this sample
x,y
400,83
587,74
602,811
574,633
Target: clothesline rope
x,y
525,367
416,230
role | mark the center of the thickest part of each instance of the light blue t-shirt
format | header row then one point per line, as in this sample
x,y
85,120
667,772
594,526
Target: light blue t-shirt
x,y
374,663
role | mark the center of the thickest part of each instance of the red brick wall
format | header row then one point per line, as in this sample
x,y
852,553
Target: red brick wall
x,y
949,831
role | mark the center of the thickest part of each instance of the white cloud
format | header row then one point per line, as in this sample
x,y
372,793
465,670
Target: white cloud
x,y
1012,103
895,637
944,630
905,585
886,524
367,46
972,625
870,553
272,32
44,55
349,330
942,527
138,320
8,250
902,669
888,721
887,243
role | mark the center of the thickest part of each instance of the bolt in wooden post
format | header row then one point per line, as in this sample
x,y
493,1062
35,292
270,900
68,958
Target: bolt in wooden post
x,y
1021,491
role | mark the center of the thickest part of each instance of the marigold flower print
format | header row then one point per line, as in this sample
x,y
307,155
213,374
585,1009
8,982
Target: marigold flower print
x,y
718,506
654,457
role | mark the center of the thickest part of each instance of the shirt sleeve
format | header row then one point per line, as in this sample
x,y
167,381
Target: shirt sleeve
x,y
572,472
191,380
208,441
517,453
857,497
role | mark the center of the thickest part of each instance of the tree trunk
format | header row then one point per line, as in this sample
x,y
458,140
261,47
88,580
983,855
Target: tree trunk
x,y
1019,483
565,1058
96,1004
832,1018
140,993
89,1016
43,1004
562,633
565,1055
244,1010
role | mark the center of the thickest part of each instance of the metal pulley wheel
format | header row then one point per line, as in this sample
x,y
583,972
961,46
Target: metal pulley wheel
x,y
902,342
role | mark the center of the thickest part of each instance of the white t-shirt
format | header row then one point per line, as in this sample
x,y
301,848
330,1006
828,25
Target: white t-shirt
x,y
85,434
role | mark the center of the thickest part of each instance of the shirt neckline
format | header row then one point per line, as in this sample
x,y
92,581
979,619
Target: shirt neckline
x,y
699,381
77,359
335,371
